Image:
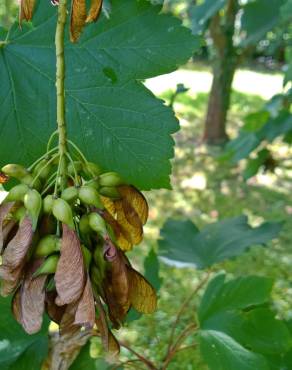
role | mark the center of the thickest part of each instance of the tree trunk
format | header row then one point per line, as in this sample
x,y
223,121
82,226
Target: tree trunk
x,y
218,104
224,66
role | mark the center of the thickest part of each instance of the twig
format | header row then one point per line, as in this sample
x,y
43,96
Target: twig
x,y
143,359
182,309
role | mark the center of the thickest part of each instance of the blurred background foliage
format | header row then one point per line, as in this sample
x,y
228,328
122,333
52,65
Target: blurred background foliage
x,y
250,175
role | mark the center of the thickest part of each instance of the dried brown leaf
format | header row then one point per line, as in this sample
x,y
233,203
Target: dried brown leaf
x,y
85,314
32,299
4,211
16,307
116,287
70,275
137,200
122,240
78,18
135,232
26,10
16,250
142,294
67,325
94,11
109,341
54,312
10,279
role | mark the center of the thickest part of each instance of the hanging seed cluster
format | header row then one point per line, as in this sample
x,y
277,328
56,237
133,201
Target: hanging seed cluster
x,y
64,230
79,14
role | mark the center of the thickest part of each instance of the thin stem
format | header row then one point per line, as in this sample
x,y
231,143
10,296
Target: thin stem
x,y
182,309
60,86
46,155
77,150
52,137
45,166
143,359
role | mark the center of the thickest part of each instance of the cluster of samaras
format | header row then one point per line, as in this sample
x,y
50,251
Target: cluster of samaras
x,y
79,14
63,241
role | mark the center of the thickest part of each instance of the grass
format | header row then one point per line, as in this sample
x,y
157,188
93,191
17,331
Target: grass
x,y
206,190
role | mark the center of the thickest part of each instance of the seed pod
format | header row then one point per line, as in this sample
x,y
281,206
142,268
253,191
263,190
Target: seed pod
x,y
86,256
97,224
48,267
93,183
14,170
20,214
47,245
48,204
17,193
70,194
42,169
62,212
29,180
78,167
98,258
89,196
84,225
91,169
110,179
110,192
33,204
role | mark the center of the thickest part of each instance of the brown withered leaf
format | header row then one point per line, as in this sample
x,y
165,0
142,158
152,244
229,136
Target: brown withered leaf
x,y
16,306
70,275
54,312
109,341
135,232
142,294
10,279
78,18
94,11
26,10
32,299
16,250
4,211
122,239
136,199
85,314
67,326
116,286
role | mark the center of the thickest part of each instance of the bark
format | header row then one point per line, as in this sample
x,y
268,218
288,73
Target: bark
x,y
224,66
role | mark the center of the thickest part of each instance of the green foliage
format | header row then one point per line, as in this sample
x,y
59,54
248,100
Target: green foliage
x,y
182,241
18,350
85,362
237,326
201,14
258,17
113,118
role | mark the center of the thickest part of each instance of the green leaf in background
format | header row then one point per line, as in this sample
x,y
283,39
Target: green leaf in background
x,y
238,312
181,240
258,17
242,145
201,14
151,269
239,293
254,164
277,126
114,119
18,350
85,362
221,352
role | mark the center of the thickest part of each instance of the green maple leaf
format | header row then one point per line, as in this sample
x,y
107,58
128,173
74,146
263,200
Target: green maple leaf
x,y
114,119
